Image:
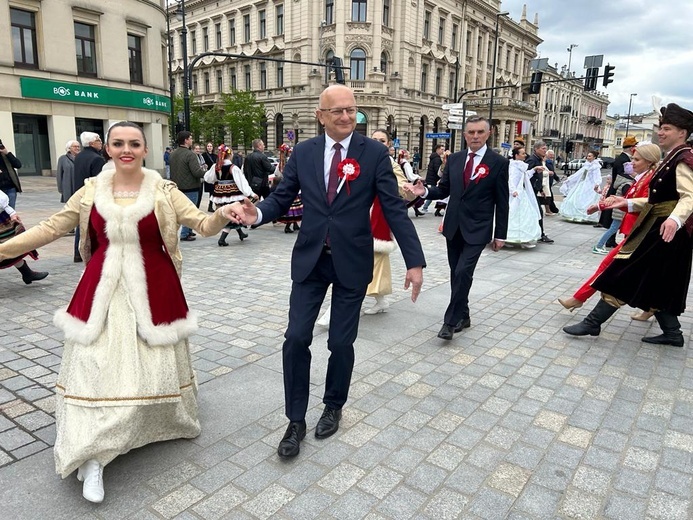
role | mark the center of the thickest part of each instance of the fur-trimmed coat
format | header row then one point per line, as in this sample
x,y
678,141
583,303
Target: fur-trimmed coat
x,y
122,224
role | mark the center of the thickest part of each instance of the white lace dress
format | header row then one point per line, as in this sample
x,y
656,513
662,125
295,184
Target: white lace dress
x,y
523,218
580,193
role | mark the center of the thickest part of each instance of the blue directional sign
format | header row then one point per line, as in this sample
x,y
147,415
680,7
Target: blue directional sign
x,y
395,142
506,146
439,135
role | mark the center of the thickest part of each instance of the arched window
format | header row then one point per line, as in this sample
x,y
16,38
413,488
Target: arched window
x,y
357,64
383,63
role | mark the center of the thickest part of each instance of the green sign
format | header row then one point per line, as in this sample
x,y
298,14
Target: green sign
x,y
93,95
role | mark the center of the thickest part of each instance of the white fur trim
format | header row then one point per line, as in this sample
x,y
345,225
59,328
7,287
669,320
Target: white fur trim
x,y
384,246
124,247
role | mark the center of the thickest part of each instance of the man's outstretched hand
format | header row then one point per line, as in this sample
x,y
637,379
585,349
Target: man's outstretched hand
x,y
417,188
243,212
415,279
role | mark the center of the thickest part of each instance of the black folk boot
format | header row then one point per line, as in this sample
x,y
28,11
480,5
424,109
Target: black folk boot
x,y
591,325
222,239
670,327
241,235
28,275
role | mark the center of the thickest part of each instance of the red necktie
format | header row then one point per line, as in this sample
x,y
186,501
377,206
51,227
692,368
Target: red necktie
x,y
468,169
334,178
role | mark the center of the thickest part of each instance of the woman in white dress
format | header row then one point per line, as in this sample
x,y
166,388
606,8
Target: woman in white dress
x,y
523,219
582,190
126,377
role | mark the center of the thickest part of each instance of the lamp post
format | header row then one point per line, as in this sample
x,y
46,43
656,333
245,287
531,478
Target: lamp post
x,y
630,104
493,74
180,15
570,54
171,122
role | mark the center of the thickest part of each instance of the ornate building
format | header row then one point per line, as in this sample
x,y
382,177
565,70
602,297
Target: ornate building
x,y
404,60
570,120
67,67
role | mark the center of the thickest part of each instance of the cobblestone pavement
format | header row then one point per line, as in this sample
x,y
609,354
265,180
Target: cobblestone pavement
x,y
512,419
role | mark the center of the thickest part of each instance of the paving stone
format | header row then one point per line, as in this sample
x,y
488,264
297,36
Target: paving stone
x,y
620,507
14,438
178,501
268,502
402,503
380,481
341,478
577,504
663,506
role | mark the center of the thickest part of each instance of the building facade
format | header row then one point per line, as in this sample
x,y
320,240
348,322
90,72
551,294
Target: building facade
x,y
404,61
68,67
570,120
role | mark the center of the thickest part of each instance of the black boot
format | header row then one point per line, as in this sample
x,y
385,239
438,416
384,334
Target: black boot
x,y
241,235
287,229
591,325
672,330
296,227
222,239
210,207
418,213
29,276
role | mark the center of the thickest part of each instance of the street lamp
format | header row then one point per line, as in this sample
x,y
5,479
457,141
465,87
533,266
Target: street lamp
x,y
180,15
493,77
630,104
171,122
570,55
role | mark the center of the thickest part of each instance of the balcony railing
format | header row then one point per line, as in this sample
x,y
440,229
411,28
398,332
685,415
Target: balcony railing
x,y
566,109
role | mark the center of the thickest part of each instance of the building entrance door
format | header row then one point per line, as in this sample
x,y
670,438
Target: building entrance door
x,y
31,142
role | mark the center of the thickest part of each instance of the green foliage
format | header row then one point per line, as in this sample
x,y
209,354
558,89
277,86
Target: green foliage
x,y
243,117
239,114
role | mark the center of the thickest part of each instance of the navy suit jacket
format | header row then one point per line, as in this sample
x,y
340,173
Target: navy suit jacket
x,y
348,218
472,210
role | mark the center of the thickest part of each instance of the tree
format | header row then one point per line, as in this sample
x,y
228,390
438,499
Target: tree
x,y
243,117
195,115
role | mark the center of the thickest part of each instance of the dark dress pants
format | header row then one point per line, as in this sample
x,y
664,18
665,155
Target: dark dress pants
x,y
462,258
304,306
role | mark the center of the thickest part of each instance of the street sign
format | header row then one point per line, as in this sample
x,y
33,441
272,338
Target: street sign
x,y
290,135
506,146
395,142
455,126
455,119
460,112
439,135
453,106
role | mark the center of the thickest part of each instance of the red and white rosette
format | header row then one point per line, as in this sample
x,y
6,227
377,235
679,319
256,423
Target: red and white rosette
x,y
348,170
479,173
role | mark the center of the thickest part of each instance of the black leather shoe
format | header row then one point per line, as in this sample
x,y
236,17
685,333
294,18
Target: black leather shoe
x,y
675,340
545,240
189,238
446,332
77,258
464,323
290,444
328,423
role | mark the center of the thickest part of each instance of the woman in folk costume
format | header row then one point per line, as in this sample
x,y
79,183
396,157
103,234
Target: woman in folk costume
x,y
229,185
523,219
295,213
645,159
652,270
11,226
383,244
582,190
126,377
442,204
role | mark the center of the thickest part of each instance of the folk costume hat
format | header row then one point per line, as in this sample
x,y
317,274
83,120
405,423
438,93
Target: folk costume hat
x,y
518,140
675,115
629,141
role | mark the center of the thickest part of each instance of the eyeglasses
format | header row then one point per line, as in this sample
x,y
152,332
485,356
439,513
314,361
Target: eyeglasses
x,y
338,111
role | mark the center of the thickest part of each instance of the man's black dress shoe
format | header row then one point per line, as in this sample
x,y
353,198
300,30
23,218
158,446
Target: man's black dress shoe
x,y
446,332
464,323
328,423
290,444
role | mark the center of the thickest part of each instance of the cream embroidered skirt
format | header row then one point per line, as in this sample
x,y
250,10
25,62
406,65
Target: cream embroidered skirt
x,y
119,393
382,276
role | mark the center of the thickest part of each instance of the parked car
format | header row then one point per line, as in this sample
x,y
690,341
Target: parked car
x,y
607,162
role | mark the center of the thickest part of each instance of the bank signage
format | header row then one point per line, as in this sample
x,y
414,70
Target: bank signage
x,y
93,95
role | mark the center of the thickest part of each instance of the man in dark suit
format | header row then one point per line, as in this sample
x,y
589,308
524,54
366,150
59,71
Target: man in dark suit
x,y
476,180
617,170
334,247
257,169
88,163
540,184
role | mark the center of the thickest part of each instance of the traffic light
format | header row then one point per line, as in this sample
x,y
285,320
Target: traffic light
x,y
535,82
608,74
569,147
591,79
338,71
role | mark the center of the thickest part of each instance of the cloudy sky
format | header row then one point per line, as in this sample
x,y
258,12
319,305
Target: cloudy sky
x,y
649,42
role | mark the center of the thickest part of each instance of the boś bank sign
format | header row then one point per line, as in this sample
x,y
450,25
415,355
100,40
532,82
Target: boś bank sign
x,y
93,95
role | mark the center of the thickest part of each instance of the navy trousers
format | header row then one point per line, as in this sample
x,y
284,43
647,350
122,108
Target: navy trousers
x,y
462,258
304,306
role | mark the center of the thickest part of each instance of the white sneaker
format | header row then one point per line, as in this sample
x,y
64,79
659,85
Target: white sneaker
x,y
381,305
91,472
324,320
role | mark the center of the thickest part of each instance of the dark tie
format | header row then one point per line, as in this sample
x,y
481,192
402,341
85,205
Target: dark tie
x,y
333,180
468,169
